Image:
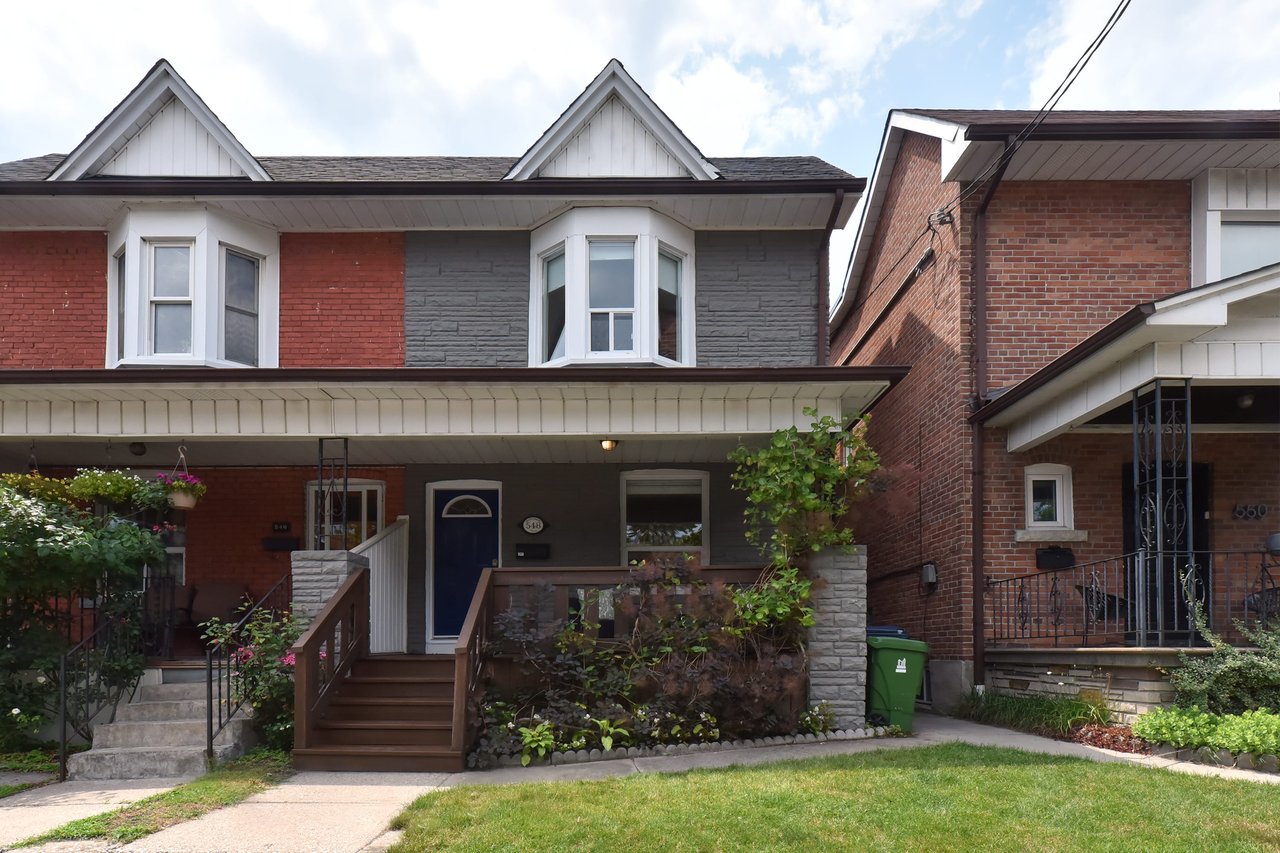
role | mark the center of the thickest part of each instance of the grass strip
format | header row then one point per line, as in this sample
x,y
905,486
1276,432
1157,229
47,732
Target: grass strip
x,y
224,786
10,790
941,798
33,761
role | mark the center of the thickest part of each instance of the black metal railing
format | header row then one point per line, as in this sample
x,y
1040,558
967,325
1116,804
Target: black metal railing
x,y
1138,599
226,689
95,673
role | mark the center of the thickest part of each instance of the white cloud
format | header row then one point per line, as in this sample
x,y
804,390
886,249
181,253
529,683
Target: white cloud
x,y
1184,54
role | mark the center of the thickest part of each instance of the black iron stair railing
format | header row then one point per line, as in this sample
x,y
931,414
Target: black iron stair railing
x,y
225,688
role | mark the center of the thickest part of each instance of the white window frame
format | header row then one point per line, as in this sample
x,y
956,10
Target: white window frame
x,y
1060,476
354,484
572,232
209,234
1213,203
153,299
703,478
223,307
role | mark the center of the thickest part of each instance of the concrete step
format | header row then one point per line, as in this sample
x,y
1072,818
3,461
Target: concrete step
x,y
168,692
168,733
135,763
166,709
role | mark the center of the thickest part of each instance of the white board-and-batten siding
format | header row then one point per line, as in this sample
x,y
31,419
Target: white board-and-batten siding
x,y
1243,189
172,143
312,418
613,142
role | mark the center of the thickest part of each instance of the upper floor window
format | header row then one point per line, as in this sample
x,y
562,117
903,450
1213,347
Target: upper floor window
x,y
192,287
1248,245
611,285
1235,222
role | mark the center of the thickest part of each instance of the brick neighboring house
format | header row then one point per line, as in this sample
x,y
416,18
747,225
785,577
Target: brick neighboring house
x,y
474,327
1119,272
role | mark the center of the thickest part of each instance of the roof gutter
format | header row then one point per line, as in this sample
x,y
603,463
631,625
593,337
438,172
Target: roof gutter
x,y
236,187
506,375
1104,337
1119,131
824,278
977,487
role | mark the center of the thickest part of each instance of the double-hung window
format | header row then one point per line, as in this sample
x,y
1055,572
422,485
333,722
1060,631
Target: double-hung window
x,y
170,321
192,288
611,285
664,516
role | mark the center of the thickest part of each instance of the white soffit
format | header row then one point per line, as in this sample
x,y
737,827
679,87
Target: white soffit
x,y
161,129
613,128
1128,160
1221,332
312,409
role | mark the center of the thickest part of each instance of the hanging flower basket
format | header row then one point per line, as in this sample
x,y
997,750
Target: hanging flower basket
x,y
182,500
184,489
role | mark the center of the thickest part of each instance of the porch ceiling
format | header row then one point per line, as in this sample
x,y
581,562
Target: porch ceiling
x,y
413,404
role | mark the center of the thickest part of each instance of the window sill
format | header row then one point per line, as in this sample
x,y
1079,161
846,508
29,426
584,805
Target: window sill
x,y
1050,534
178,361
620,361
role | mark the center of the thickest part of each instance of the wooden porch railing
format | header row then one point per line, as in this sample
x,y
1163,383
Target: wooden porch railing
x,y
324,654
572,589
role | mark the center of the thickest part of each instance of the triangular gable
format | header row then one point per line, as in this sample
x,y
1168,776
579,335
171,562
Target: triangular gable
x,y
161,129
613,129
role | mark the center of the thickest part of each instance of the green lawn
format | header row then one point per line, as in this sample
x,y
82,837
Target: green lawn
x,y
952,797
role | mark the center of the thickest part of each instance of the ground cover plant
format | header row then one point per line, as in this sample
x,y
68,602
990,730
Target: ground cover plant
x,y
32,761
224,786
950,797
1256,732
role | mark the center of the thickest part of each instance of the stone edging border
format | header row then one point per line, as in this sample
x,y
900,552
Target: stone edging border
x,y
1218,757
584,756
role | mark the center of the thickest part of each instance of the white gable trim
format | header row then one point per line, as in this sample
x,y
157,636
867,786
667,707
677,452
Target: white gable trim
x,y
898,125
132,115
613,81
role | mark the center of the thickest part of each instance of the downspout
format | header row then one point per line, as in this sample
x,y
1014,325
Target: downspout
x,y
977,488
824,279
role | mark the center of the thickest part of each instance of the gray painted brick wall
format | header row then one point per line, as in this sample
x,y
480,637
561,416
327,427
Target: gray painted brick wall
x,y
757,298
466,299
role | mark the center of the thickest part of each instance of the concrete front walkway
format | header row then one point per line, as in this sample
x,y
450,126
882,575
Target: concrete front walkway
x,y
350,812
41,809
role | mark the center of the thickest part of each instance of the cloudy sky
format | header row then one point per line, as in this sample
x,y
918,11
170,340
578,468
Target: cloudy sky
x,y
739,76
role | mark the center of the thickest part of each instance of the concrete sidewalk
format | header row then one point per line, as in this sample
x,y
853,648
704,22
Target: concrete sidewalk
x,y
350,812
41,809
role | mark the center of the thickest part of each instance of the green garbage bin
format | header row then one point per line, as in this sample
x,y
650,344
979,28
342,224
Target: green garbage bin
x,y
896,668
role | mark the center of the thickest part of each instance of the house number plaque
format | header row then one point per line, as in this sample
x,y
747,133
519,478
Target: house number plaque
x,y
1251,512
533,525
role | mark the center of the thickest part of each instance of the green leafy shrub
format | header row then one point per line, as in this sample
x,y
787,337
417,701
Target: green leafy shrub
x,y
818,719
51,553
1255,731
263,669
1052,716
1230,680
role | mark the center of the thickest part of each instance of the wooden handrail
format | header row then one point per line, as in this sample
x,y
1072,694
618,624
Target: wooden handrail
x,y
341,631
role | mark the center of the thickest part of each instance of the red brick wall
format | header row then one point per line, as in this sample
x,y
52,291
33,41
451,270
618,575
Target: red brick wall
x,y
225,532
1065,258
918,428
53,299
342,300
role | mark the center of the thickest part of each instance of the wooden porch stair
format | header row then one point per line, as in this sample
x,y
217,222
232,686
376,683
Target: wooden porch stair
x,y
392,713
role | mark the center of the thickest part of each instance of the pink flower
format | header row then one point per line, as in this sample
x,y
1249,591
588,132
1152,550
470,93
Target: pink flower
x,y
289,660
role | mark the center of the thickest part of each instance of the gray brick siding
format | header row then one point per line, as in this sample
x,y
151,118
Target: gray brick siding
x,y
757,298
466,299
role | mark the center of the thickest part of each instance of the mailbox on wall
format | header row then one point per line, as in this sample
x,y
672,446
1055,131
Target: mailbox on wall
x,y
1055,558
533,551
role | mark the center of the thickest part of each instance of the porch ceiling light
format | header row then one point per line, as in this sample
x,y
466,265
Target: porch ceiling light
x,y
607,444
1244,401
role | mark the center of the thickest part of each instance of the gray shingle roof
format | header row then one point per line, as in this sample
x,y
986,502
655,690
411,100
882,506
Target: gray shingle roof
x,y
453,168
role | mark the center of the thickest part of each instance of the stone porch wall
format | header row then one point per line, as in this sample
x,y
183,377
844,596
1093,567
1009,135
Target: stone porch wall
x,y
1130,681
838,640
317,576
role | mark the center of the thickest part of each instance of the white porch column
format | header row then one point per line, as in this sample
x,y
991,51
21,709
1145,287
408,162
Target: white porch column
x,y
838,639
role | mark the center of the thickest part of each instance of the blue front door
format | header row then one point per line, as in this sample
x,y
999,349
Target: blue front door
x,y
465,541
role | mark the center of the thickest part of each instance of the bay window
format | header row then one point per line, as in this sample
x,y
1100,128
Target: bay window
x,y
192,288
612,285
